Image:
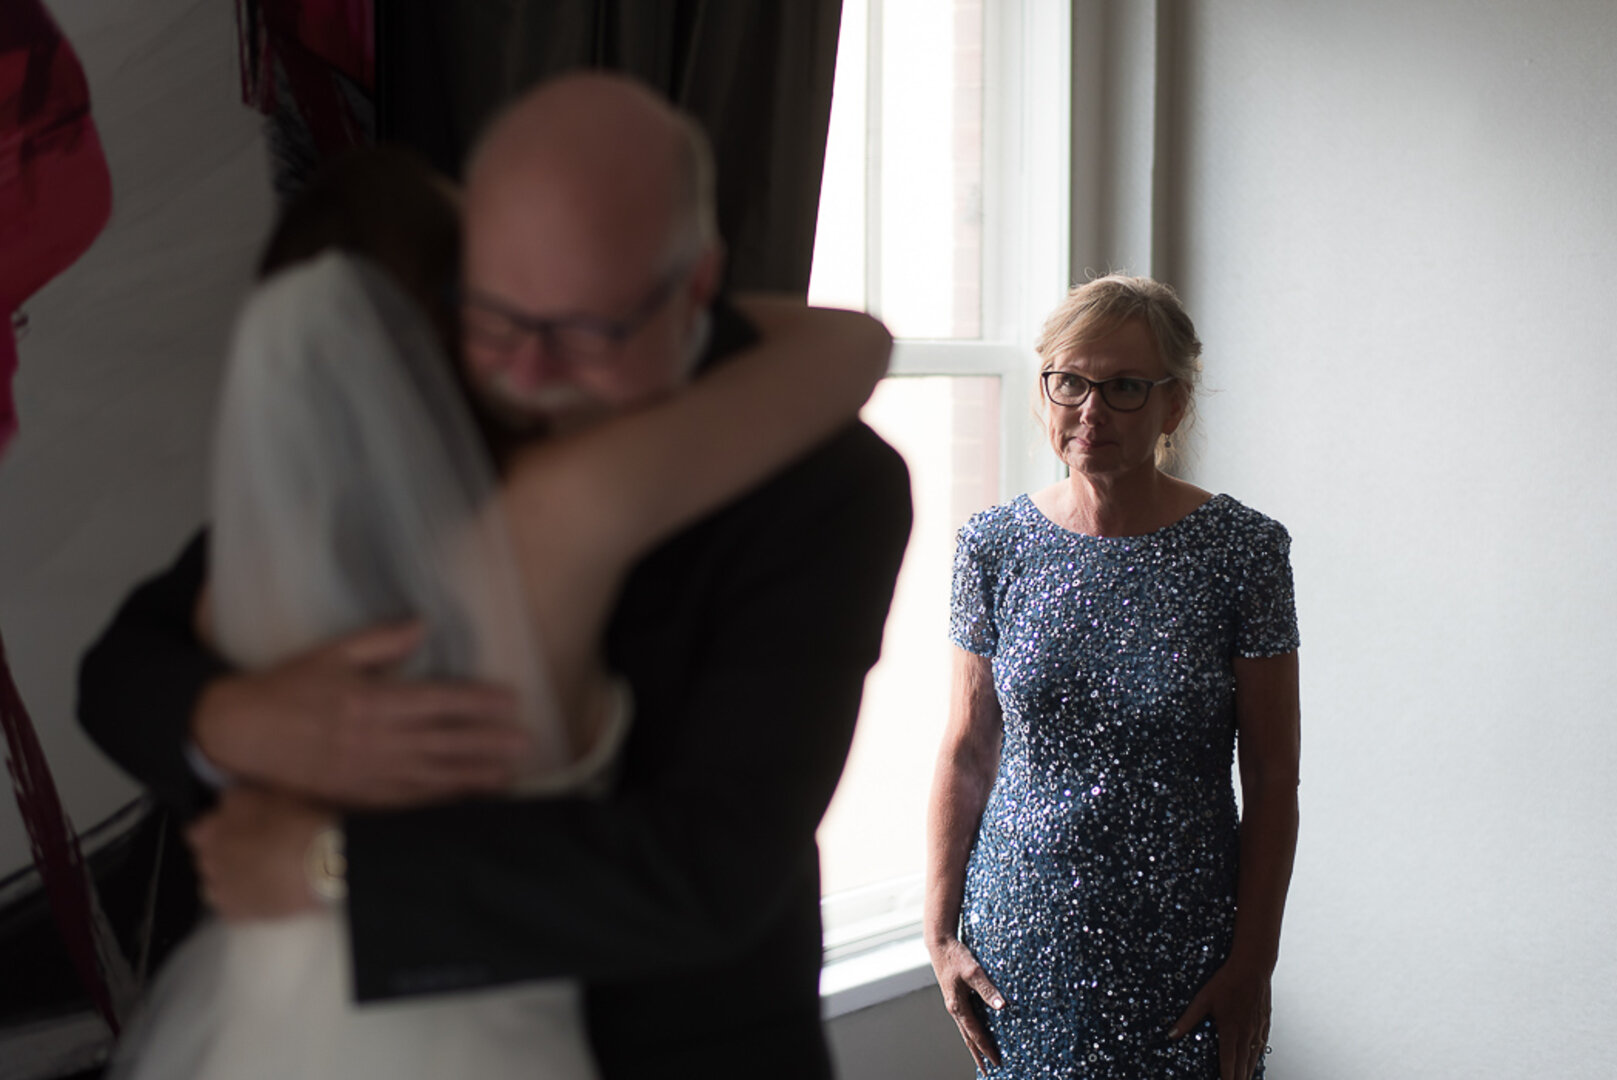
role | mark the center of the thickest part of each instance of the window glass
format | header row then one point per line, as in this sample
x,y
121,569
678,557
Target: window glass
x,y
947,429
900,230
942,211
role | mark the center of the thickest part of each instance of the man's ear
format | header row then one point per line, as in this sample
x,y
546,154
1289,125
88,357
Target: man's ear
x,y
706,275
698,338
702,288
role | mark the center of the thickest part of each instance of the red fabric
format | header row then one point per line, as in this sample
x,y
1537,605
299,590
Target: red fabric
x,y
8,367
54,844
311,41
55,191
55,197
340,32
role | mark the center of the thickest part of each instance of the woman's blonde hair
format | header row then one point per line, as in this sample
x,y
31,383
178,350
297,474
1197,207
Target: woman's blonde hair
x,y
1100,306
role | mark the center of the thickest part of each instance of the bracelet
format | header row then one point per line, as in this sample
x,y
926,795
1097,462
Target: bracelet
x,y
326,866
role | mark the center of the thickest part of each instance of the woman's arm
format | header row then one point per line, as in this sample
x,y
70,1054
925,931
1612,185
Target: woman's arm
x,y
1268,721
968,760
329,724
584,507
645,474
1268,716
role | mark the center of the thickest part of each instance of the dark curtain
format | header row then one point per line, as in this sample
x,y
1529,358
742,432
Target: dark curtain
x,y
756,73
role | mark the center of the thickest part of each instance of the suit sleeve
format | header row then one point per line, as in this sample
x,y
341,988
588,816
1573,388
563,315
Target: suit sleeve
x,y
688,868
139,682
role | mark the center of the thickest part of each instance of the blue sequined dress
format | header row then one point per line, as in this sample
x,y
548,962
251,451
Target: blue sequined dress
x,y
1100,890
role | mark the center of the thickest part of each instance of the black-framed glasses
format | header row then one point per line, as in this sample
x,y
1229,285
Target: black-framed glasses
x,y
1125,393
491,323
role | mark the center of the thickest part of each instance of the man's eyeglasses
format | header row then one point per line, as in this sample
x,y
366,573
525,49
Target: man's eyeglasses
x,y
1122,394
490,323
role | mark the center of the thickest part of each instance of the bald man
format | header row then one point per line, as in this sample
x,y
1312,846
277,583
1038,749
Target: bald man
x,y
687,900
589,195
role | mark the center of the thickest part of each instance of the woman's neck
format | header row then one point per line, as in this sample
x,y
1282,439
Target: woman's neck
x,y
1119,504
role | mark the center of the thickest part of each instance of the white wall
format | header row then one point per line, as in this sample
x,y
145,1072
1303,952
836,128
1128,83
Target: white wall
x,y
908,1038
120,361
1394,223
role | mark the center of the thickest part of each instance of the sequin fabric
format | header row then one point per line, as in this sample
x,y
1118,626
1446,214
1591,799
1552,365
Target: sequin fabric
x,y
1100,890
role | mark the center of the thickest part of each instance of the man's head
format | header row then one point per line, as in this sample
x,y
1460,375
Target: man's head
x,y
591,254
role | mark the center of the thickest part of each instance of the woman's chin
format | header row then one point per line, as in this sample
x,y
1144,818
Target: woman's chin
x,y
1104,461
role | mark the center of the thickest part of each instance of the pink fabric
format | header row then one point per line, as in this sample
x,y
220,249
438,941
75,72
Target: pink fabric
x,y
342,33
54,843
8,368
55,197
310,41
55,191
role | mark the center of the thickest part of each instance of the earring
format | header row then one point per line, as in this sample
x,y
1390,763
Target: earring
x,y
1167,442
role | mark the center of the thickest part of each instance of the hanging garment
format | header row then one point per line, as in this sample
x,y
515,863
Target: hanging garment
x,y
310,67
55,191
55,197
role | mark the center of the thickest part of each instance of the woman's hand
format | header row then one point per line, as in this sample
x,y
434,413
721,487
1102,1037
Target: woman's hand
x,y
334,725
959,976
1237,999
251,853
968,759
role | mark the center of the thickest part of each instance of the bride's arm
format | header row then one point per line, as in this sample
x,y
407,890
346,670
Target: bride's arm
x,y
613,491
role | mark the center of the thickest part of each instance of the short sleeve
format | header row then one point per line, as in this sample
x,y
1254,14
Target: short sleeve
x,y
1268,608
971,608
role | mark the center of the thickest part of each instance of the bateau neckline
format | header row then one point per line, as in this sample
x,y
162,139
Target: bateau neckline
x,y
1031,507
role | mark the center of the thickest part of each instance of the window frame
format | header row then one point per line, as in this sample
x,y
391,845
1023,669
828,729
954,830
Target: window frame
x,y
1027,79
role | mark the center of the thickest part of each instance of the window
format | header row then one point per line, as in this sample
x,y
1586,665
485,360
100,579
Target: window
x,y
943,211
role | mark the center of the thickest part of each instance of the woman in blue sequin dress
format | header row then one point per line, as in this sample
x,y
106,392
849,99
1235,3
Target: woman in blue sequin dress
x,y
1096,906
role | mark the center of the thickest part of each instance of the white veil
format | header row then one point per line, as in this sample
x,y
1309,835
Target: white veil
x,y
350,486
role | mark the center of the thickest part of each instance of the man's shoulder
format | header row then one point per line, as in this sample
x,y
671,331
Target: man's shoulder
x,y
853,487
847,500
854,462
856,454
859,443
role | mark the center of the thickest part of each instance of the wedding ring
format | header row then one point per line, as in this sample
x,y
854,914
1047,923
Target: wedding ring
x,y
325,865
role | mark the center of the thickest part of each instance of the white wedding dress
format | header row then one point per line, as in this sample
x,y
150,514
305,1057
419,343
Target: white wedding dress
x,y
350,486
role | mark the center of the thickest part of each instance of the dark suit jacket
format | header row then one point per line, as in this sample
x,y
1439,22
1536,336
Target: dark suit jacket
x,y
687,901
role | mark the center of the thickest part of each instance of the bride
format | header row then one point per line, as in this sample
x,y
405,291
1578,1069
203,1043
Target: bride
x,y
353,483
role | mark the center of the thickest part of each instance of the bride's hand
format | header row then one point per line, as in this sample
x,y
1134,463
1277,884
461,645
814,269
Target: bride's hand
x,y
334,725
251,853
